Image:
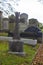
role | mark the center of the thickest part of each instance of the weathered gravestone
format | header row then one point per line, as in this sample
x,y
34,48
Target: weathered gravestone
x,y
1,19
5,24
33,22
16,46
11,23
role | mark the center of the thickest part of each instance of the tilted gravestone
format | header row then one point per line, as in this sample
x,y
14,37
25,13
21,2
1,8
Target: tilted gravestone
x,y
17,45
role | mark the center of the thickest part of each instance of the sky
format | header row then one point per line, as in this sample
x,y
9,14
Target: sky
x,y
33,8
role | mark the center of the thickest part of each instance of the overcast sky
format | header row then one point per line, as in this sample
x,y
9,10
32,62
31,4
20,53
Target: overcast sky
x,y
32,7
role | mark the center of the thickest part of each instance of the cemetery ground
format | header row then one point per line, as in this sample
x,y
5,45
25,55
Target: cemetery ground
x,y
12,59
38,59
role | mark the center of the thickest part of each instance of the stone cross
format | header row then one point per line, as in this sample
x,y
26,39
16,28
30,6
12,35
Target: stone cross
x,y
17,45
16,34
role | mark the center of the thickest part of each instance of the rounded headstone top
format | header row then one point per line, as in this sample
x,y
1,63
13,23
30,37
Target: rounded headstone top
x,y
11,19
24,15
24,18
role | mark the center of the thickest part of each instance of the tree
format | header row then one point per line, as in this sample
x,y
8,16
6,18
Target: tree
x,y
40,26
41,1
8,6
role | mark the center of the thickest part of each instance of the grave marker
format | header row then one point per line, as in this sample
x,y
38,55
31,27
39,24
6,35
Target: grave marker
x,y
1,19
5,24
16,46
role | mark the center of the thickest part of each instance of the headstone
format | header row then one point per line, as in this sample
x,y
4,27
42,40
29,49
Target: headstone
x,y
24,18
16,46
11,23
33,22
5,24
0,19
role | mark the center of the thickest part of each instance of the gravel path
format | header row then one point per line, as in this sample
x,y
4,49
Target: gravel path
x,y
38,60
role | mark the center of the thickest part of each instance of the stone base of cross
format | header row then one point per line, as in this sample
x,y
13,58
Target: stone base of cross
x,y
17,48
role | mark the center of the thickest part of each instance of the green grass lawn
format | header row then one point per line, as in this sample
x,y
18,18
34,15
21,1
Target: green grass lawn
x,y
42,30
11,59
3,34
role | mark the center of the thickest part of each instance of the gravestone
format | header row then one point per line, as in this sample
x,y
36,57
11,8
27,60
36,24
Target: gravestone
x,y
0,19
33,22
24,18
5,24
11,23
17,45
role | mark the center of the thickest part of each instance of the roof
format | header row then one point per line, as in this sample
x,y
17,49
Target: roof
x,y
32,29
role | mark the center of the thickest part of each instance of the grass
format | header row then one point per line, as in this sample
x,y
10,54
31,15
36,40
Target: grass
x,y
42,30
3,34
11,59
